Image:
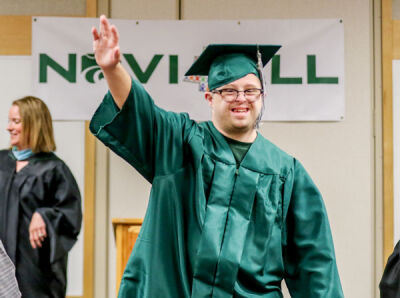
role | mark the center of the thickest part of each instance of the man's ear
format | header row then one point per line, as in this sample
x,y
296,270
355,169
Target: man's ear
x,y
208,97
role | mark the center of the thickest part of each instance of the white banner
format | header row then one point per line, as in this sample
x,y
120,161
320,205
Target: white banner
x,y
305,79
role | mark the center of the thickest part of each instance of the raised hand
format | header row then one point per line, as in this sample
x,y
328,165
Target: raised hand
x,y
105,45
107,54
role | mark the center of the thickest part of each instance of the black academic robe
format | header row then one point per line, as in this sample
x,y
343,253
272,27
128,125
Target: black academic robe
x,y
390,283
47,186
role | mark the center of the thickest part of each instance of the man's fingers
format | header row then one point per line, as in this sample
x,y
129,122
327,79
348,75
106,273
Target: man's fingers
x,y
96,35
114,34
104,26
94,46
117,54
101,27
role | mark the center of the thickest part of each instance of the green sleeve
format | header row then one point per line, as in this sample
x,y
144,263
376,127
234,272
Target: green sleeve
x,y
308,252
148,137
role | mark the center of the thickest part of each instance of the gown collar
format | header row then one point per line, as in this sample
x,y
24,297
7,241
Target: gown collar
x,y
225,152
262,156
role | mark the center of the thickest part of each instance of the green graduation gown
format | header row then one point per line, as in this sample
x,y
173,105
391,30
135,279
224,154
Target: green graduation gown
x,y
212,230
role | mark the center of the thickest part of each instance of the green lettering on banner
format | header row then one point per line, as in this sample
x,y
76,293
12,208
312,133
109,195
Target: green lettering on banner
x,y
143,77
173,69
276,73
90,68
69,74
312,73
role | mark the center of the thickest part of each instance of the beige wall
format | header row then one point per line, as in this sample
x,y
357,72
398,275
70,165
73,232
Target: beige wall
x,y
396,9
43,7
144,9
340,156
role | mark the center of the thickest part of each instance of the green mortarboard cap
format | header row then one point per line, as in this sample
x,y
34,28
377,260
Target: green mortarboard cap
x,y
225,63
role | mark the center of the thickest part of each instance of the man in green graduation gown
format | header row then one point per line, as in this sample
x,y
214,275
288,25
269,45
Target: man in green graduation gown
x,y
230,214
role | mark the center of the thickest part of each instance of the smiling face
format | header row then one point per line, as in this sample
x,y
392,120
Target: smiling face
x,y
237,119
15,129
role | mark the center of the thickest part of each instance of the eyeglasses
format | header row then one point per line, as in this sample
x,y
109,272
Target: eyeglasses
x,y
230,95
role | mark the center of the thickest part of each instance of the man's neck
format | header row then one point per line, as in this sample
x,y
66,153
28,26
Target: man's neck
x,y
241,136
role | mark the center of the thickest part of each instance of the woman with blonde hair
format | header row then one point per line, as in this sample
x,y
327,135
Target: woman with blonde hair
x,y
40,203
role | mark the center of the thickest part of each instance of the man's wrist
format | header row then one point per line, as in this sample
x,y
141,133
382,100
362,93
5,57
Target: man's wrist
x,y
112,68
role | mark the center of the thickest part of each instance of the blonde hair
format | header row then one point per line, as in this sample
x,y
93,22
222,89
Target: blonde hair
x,y
37,126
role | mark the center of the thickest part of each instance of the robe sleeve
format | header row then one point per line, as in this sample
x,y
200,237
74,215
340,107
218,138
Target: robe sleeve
x,y
63,214
146,136
308,252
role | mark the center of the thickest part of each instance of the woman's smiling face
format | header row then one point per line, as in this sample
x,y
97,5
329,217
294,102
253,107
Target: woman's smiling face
x,y
15,129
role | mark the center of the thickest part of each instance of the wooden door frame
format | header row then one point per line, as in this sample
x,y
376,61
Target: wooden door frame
x,y
390,52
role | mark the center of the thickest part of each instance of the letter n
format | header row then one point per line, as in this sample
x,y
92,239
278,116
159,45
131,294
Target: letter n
x,y
69,74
